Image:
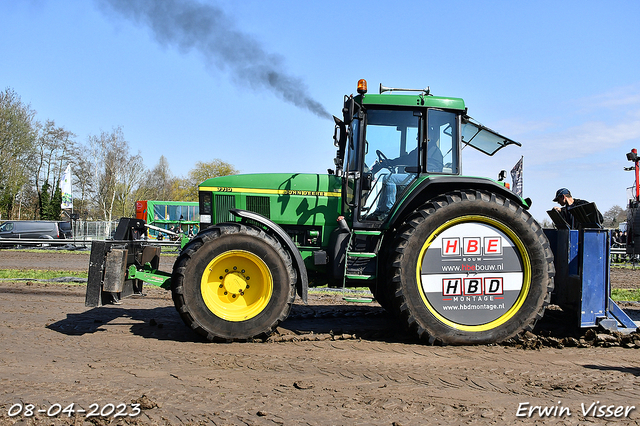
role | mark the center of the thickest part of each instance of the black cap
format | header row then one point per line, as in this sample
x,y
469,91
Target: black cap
x,y
560,192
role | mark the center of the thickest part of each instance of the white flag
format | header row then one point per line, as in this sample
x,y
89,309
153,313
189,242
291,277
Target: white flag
x,y
65,187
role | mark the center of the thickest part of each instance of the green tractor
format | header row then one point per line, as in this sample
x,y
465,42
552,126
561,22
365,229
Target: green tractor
x,y
458,259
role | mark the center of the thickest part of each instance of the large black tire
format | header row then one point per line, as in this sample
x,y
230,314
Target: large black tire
x,y
233,282
633,230
471,267
383,289
382,295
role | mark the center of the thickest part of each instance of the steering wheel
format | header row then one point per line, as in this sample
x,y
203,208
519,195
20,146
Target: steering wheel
x,y
381,156
383,161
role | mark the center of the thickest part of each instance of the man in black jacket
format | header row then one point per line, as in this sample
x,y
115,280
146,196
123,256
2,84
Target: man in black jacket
x,y
564,198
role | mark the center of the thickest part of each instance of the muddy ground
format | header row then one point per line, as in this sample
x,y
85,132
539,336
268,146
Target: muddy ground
x,y
331,363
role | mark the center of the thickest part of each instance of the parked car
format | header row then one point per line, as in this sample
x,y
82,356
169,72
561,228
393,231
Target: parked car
x,y
35,229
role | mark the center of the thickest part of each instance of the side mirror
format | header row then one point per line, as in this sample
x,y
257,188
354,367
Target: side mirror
x,y
339,140
340,134
348,110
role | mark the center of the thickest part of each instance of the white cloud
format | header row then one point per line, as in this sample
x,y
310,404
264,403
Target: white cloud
x,y
588,138
583,150
615,99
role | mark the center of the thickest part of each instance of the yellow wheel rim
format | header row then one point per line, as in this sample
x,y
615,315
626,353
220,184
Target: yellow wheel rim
x,y
526,272
237,285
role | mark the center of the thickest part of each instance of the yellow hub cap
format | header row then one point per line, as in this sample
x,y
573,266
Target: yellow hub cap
x,y
237,285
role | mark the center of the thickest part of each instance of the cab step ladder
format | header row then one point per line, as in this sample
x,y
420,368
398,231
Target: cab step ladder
x,y
361,258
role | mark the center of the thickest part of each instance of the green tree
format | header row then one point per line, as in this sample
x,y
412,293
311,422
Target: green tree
x,y
50,200
53,150
55,206
17,137
203,171
44,201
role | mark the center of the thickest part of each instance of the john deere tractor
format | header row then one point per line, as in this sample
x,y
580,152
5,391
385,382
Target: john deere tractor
x,y
458,259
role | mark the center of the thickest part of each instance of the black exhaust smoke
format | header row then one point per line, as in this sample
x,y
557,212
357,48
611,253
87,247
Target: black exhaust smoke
x,y
190,25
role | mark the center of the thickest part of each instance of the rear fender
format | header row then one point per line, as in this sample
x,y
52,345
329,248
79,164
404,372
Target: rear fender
x,y
437,185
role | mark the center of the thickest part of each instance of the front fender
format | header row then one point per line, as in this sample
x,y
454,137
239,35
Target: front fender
x,y
302,285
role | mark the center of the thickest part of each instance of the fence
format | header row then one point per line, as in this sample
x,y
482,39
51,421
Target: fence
x,y
93,230
84,232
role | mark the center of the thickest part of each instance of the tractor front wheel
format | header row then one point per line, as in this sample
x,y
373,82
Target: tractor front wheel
x,y
471,267
233,282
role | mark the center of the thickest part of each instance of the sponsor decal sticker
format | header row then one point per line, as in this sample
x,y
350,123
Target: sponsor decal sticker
x,y
471,273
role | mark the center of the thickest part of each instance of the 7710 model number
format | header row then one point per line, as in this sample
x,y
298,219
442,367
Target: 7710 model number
x,y
95,410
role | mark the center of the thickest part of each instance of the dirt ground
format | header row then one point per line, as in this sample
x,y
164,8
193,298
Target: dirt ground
x,y
331,363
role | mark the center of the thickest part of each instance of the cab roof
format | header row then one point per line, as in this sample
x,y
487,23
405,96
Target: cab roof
x,y
474,134
411,100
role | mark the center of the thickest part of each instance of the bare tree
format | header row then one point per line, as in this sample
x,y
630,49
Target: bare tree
x,y
546,223
106,177
614,216
159,181
110,162
82,180
132,175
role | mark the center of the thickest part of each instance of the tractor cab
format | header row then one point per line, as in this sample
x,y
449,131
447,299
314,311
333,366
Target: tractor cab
x,y
388,144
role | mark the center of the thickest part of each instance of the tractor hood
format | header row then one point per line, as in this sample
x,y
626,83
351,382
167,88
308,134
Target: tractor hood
x,y
483,138
304,184
299,199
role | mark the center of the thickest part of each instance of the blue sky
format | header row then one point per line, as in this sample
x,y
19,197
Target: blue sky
x,y
560,77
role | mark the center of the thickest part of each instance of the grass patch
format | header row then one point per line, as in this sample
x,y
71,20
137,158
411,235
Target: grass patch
x,y
339,291
36,250
36,274
166,251
624,295
626,265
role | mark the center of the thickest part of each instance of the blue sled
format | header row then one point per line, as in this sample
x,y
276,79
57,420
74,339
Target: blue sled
x,y
582,281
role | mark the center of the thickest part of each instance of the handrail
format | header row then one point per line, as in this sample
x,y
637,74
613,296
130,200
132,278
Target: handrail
x,y
76,242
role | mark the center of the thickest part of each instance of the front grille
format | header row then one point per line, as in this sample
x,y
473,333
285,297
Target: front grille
x,y
259,205
224,203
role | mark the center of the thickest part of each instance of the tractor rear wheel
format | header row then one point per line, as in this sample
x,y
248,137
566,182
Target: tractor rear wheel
x,y
233,282
471,267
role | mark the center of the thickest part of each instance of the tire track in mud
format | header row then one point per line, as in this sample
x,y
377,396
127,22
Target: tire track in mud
x,y
60,350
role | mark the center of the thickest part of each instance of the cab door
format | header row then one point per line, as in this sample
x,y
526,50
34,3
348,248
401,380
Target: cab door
x,y
392,146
